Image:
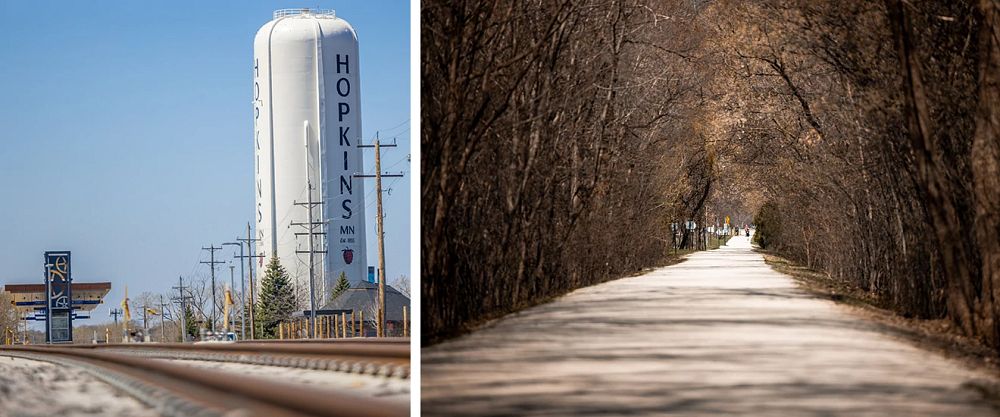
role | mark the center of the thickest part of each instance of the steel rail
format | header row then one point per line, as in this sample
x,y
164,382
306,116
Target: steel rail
x,y
224,392
366,350
349,340
374,358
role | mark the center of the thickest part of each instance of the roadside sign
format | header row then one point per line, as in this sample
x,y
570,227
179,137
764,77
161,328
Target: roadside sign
x,y
58,282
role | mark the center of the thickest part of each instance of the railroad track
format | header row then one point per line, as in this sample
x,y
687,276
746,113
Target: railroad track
x,y
369,356
175,389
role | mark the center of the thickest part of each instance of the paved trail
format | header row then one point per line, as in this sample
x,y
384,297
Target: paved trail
x,y
719,334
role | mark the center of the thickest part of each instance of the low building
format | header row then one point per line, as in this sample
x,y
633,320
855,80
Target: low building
x,y
30,301
361,300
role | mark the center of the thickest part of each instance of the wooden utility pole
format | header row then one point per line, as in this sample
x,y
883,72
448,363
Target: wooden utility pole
x,y
115,312
381,240
163,312
182,300
380,318
211,263
232,287
310,226
243,288
249,242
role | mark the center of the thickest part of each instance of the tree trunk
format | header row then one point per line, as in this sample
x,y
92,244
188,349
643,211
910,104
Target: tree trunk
x,y
986,169
932,177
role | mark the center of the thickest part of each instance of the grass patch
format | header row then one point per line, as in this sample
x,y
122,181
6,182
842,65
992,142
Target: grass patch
x,y
714,243
821,284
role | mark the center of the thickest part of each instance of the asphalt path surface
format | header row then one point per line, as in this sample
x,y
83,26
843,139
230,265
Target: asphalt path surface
x,y
719,334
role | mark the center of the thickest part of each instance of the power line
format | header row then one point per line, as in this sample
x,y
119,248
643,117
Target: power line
x,y
249,241
398,125
379,232
386,189
182,299
212,262
400,133
310,226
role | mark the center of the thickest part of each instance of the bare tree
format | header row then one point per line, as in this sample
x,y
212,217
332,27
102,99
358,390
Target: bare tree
x,y
402,284
552,137
567,143
9,317
873,125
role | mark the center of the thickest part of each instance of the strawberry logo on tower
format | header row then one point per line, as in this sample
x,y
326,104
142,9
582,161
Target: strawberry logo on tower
x,y
348,255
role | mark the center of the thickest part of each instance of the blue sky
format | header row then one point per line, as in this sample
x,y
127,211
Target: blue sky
x,y
125,134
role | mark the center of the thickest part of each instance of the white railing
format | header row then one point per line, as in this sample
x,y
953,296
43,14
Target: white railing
x,y
294,12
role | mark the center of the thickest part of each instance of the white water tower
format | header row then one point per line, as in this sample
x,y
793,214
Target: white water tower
x,y
306,96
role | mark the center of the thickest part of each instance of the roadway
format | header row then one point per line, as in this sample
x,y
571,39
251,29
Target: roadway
x,y
721,333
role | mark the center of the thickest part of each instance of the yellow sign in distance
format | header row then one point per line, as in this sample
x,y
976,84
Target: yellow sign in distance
x,y
727,220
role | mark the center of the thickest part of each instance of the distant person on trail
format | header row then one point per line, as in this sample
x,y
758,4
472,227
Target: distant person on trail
x,y
747,230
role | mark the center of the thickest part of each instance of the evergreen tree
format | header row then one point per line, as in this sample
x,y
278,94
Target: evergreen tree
x,y
256,322
191,323
342,285
277,300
